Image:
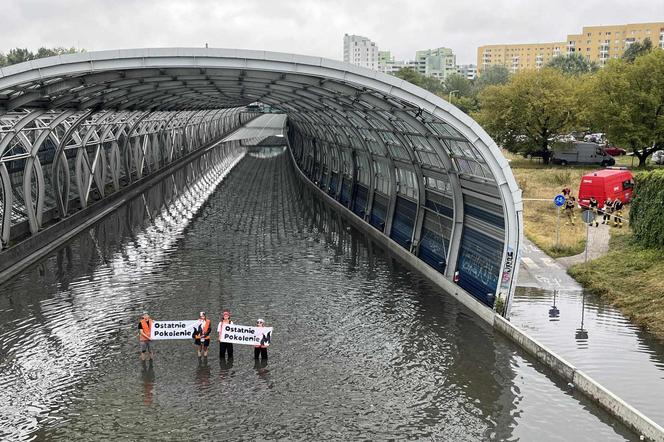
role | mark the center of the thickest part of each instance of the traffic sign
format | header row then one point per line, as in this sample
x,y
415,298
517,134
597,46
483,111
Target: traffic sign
x,y
588,216
559,200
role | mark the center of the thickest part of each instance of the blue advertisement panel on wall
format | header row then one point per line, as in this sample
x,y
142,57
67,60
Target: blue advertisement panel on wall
x,y
480,257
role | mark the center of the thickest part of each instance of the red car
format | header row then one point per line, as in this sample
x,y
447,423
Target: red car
x,y
615,151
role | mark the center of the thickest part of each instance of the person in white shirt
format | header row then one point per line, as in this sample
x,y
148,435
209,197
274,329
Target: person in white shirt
x,y
224,347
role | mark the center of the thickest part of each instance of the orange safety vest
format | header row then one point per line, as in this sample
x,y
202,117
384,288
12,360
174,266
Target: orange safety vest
x,y
146,326
206,328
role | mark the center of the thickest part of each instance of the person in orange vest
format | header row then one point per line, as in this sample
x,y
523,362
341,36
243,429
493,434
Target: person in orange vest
x,y
202,335
260,349
224,347
144,330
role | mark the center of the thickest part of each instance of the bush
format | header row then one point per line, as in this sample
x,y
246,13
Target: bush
x,y
647,209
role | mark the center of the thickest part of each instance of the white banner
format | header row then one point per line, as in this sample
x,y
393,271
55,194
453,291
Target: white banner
x,y
173,329
243,334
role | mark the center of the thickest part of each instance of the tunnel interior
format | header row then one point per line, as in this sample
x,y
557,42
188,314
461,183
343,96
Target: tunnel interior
x,y
77,127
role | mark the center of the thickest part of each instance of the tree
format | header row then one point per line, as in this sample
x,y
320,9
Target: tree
x,y
525,113
627,102
19,55
458,83
412,76
573,64
492,76
637,49
467,104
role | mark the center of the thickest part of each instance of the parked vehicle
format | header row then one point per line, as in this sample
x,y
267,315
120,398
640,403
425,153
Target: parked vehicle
x,y
614,151
658,157
599,138
607,183
581,153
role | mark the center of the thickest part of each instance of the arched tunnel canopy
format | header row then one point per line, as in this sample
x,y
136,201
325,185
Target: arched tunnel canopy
x,y
403,159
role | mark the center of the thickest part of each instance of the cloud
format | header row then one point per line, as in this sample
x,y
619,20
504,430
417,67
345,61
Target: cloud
x,y
308,27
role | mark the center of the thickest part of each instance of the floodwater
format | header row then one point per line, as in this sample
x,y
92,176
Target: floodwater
x,y
600,341
362,347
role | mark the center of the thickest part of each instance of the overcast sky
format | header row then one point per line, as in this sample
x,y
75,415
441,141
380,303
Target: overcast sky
x,y
309,27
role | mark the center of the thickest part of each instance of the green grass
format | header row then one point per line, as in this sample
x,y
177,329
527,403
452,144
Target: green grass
x,y
542,181
631,277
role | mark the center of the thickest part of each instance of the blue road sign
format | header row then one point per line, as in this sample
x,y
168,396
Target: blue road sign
x,y
559,200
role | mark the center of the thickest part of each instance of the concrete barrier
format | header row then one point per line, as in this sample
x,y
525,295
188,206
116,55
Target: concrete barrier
x,y
594,391
543,354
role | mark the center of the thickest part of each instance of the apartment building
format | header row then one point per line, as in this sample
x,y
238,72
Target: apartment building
x,y
436,63
595,43
468,71
387,63
360,51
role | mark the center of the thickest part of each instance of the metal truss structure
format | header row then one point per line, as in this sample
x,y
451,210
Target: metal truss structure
x,y
51,160
404,160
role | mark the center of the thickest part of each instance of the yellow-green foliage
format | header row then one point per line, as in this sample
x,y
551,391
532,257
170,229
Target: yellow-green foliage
x,y
647,212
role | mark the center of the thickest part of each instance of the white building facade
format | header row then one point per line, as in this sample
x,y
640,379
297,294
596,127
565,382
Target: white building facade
x,y
437,63
468,71
360,51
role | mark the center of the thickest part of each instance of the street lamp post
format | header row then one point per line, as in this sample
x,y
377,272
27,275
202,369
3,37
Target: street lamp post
x,y
451,94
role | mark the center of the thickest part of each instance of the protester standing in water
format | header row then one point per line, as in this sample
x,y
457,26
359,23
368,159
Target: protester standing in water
x,y
202,335
144,331
224,347
261,349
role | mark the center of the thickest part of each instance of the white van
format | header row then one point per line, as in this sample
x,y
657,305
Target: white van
x,y
581,153
658,157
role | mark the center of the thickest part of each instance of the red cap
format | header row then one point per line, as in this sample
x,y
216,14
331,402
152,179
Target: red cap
x,y
226,312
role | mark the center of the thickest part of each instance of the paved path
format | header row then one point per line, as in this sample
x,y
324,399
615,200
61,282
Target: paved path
x,y
541,271
598,239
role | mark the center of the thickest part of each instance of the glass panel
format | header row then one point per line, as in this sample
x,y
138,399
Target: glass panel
x,y
430,158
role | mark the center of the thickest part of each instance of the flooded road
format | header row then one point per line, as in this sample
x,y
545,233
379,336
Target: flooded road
x,y
362,348
607,346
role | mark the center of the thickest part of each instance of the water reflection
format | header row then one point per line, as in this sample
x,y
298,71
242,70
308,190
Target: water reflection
x,y
64,314
148,377
363,348
595,337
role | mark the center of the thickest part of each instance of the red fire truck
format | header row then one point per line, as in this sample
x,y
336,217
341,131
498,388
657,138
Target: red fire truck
x,y
606,183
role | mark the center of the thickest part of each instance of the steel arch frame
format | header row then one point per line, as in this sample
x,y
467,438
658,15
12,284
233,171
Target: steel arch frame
x,y
336,105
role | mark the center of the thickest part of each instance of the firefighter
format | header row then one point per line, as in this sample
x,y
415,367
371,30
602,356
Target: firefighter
x,y
570,204
617,213
607,210
593,205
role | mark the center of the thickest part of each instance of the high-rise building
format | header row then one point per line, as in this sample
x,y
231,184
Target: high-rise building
x,y
360,51
595,43
437,63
